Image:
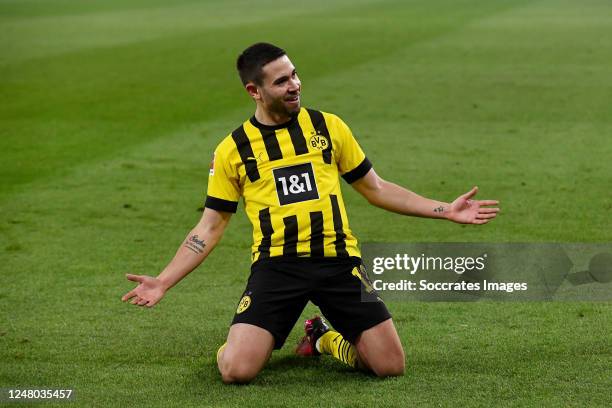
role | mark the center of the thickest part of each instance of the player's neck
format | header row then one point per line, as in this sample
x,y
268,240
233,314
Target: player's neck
x,y
270,118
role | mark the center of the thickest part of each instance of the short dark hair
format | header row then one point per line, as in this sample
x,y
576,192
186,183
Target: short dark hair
x,y
252,60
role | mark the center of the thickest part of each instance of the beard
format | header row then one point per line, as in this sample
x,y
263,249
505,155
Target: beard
x,y
281,107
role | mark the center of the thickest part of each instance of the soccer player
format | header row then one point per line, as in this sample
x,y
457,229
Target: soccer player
x,y
285,162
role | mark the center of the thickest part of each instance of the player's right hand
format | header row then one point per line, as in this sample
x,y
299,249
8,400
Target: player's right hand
x,y
148,292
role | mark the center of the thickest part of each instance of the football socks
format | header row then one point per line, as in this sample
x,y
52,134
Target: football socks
x,y
220,350
334,344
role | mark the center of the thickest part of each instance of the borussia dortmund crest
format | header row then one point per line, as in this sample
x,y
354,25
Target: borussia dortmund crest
x,y
244,304
318,141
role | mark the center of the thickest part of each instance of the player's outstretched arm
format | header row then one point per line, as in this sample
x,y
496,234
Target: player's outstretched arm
x,y
392,197
198,244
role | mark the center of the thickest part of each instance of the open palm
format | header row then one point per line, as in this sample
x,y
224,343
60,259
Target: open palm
x,y
148,292
464,210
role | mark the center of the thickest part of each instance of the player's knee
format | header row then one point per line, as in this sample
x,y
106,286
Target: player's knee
x,y
393,365
236,378
390,369
237,373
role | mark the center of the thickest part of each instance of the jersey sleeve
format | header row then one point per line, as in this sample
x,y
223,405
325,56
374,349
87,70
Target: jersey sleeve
x,y
223,183
352,161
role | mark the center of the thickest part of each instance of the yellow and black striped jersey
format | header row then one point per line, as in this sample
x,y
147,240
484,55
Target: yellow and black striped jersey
x,y
288,177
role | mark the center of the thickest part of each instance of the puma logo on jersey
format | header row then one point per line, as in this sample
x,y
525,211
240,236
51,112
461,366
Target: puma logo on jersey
x,y
252,158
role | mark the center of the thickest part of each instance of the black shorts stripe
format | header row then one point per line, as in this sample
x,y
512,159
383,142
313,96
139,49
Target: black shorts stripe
x,y
265,224
316,233
220,204
291,236
358,172
340,242
318,121
297,139
246,153
271,142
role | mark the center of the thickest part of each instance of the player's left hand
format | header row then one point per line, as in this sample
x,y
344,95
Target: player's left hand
x,y
464,210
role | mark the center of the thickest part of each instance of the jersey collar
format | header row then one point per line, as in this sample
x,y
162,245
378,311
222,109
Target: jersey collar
x,y
256,123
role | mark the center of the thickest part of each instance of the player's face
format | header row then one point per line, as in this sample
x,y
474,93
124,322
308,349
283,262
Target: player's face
x,y
281,87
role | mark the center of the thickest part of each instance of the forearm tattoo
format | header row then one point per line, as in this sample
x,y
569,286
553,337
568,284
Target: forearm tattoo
x,y
439,209
195,245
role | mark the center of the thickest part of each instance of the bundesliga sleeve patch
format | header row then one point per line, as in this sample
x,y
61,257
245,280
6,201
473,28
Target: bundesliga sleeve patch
x,y
211,170
295,183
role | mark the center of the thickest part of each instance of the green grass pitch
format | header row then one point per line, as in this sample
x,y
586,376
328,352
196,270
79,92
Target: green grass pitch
x,y
109,111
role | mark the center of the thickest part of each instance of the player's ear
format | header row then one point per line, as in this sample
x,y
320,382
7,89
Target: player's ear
x,y
252,89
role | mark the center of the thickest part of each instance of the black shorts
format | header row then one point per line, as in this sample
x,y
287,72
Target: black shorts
x,y
279,289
